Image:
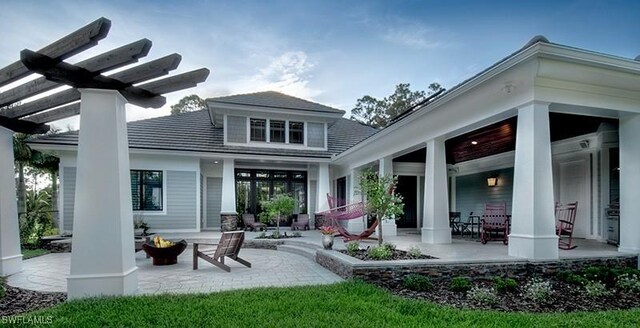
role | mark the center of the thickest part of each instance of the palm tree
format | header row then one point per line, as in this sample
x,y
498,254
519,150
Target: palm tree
x,y
22,154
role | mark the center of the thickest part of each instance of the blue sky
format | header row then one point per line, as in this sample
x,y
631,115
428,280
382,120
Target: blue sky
x,y
332,52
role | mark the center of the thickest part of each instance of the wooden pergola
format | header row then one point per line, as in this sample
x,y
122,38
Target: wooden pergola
x,y
102,260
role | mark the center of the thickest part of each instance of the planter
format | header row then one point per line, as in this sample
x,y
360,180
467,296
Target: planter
x,y
164,255
327,241
138,231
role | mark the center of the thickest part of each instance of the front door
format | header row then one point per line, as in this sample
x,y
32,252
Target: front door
x,y
574,186
408,188
341,191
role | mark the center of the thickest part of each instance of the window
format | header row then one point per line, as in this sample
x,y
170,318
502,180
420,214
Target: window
x,y
146,190
276,131
296,132
260,185
258,129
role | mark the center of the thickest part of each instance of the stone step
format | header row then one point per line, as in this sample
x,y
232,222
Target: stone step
x,y
300,250
305,244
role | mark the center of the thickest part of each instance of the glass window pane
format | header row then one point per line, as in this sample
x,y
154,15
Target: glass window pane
x,y
299,193
243,197
276,131
296,132
262,174
299,176
279,188
258,129
135,189
279,175
243,174
262,194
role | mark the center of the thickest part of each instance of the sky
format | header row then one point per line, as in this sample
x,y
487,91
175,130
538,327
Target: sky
x,y
331,52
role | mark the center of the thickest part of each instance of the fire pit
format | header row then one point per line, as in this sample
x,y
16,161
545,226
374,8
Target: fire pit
x,y
166,255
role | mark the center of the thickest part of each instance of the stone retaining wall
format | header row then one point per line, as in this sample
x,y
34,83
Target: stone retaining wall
x,y
392,272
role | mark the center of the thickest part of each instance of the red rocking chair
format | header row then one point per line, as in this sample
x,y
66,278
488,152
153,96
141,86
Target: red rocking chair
x,y
494,223
565,220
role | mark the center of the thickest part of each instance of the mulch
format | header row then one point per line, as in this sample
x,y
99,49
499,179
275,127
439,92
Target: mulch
x,y
565,298
362,254
17,300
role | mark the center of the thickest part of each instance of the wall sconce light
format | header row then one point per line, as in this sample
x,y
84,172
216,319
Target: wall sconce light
x,y
492,181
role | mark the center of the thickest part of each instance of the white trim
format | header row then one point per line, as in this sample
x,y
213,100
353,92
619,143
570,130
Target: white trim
x,y
199,210
61,212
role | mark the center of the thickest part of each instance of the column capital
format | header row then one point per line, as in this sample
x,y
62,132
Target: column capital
x,y
534,103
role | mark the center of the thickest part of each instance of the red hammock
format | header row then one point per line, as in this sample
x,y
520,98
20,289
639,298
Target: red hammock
x,y
348,212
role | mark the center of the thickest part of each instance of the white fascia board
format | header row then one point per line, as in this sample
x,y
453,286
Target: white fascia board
x,y
244,110
592,58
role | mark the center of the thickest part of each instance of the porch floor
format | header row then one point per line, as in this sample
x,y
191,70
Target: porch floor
x,y
269,267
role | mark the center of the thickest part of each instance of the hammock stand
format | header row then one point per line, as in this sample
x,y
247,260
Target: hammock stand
x,y
348,212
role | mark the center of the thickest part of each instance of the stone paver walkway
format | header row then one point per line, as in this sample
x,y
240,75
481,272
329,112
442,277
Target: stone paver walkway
x,y
269,268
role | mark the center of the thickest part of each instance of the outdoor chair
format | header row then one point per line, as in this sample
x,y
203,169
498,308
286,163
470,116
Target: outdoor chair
x,y
565,221
250,223
454,222
229,246
470,224
302,222
494,223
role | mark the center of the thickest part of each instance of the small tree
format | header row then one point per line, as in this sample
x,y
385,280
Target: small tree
x,y
279,208
380,200
188,104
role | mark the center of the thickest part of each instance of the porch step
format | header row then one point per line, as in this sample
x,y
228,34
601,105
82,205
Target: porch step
x,y
307,252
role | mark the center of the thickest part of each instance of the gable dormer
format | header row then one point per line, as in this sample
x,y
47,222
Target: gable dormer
x,y
272,120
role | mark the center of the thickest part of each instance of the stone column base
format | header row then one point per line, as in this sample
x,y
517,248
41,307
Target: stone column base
x,y
632,250
10,265
355,226
533,248
436,235
94,285
229,221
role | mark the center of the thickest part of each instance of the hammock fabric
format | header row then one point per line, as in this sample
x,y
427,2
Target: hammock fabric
x,y
348,212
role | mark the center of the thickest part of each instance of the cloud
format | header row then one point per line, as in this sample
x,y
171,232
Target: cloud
x,y
413,35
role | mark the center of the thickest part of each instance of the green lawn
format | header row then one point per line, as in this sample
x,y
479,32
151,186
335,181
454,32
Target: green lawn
x,y
29,253
349,304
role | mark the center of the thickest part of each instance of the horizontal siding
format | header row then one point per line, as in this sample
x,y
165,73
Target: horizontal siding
x,y
181,202
472,191
214,202
315,134
68,196
236,129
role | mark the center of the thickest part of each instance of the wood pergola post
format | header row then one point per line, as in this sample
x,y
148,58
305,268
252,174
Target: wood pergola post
x,y
10,254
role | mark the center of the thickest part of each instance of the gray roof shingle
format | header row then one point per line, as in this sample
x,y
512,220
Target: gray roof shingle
x,y
275,100
193,132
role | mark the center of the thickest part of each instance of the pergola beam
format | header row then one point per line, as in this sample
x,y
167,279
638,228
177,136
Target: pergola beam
x,y
20,126
55,100
110,60
76,42
177,82
55,114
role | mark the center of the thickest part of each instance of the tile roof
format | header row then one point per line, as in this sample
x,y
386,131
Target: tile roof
x,y
193,132
275,100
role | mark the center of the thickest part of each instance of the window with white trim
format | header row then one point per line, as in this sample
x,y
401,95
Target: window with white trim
x,y
146,190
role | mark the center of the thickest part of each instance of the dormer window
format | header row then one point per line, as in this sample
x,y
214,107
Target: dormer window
x,y
258,129
277,131
296,133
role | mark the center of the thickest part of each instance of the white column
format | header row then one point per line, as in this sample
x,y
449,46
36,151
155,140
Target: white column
x,y
103,256
323,187
385,168
10,256
228,187
533,217
435,229
629,183
355,225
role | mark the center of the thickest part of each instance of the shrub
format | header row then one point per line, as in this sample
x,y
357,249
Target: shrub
x,y
380,253
538,290
596,289
297,234
353,248
629,282
262,235
485,296
571,278
275,234
417,282
460,284
2,290
391,247
414,251
506,285
602,274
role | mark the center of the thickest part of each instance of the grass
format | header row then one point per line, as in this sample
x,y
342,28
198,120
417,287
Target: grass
x,y
31,253
348,304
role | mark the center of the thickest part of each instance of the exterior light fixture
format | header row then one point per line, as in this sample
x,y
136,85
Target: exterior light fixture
x,y
492,181
215,162
474,142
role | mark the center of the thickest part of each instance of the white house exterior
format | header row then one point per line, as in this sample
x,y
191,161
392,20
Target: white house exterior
x,y
269,142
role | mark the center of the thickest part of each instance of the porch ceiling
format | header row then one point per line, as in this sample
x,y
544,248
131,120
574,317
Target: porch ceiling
x,y
501,137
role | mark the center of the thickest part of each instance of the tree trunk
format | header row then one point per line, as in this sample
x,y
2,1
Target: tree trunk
x,y
22,190
54,200
380,219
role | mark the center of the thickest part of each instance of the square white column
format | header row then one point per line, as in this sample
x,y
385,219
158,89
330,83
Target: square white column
x,y
533,217
228,205
103,255
10,256
354,225
385,168
323,187
435,229
629,183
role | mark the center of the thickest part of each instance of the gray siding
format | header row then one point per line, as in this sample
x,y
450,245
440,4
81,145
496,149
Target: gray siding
x,y
315,134
214,202
201,199
472,191
313,191
421,200
69,196
236,129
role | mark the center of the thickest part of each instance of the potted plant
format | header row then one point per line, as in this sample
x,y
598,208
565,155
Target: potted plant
x,y
279,208
327,236
381,201
140,227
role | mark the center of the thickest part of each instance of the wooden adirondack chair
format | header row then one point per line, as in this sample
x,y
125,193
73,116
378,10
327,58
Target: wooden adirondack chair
x,y
494,223
565,220
250,223
229,246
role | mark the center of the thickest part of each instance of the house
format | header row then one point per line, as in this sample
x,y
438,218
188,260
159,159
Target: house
x,y
548,123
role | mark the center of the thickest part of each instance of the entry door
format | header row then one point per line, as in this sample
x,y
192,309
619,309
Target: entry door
x,y
408,188
341,191
214,203
575,186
